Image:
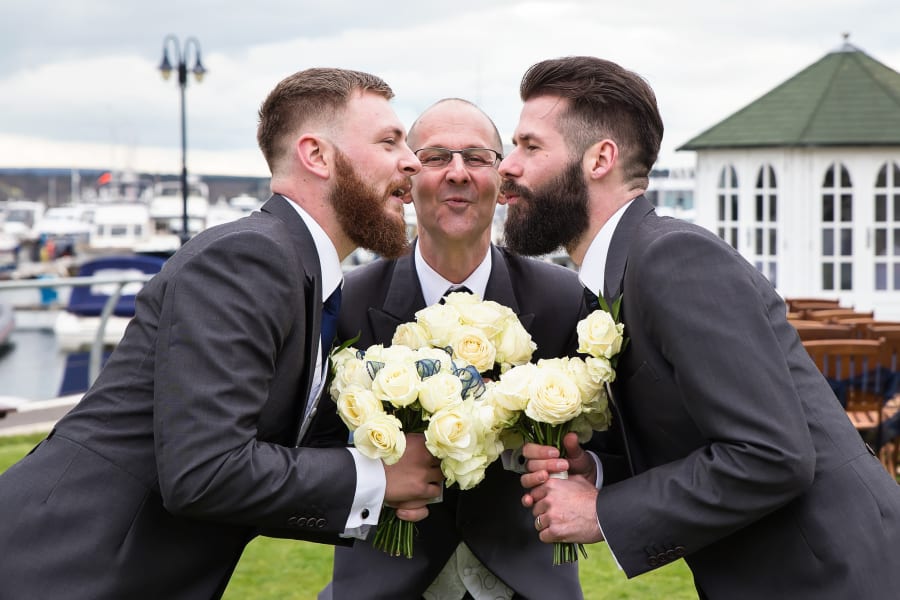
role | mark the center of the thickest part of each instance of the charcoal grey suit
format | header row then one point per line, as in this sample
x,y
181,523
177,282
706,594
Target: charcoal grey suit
x,y
184,449
746,464
490,517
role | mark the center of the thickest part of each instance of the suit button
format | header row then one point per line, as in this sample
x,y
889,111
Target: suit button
x,y
320,523
301,521
365,513
680,551
671,555
651,560
292,521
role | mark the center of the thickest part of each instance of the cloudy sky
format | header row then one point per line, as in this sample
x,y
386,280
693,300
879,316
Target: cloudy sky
x,y
79,85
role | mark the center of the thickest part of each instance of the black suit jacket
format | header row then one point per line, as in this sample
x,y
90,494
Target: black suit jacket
x,y
746,463
185,446
490,518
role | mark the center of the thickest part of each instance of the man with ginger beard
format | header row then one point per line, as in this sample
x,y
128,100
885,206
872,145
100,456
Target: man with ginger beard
x,y
477,543
743,461
196,437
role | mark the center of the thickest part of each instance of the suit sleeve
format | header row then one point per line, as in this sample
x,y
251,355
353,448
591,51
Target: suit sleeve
x,y
225,315
705,312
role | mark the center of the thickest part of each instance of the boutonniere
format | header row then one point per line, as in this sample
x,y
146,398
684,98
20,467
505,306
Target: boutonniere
x,y
601,334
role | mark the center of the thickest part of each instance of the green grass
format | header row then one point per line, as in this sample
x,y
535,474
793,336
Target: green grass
x,y
273,569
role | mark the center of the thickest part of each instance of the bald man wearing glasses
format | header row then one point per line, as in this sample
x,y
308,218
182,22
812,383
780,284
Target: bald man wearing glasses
x,y
479,543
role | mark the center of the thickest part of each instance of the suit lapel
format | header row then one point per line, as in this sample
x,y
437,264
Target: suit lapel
x,y
617,257
305,248
500,287
403,299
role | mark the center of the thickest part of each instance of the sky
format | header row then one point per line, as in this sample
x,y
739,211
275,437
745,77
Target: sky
x,y
80,86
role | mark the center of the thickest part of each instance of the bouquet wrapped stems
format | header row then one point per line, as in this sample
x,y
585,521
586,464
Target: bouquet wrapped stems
x,y
547,434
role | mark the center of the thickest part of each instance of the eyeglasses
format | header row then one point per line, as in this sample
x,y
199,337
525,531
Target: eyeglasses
x,y
472,157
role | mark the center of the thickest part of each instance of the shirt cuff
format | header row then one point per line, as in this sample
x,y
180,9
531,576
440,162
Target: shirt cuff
x,y
368,497
599,465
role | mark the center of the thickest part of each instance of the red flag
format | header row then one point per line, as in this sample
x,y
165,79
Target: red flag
x,y
104,179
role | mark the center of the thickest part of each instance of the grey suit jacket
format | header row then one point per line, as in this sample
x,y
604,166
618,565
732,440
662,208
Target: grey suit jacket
x,y
746,463
490,517
185,448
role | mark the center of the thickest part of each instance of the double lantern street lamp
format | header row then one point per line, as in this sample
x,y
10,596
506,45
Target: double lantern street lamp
x,y
165,67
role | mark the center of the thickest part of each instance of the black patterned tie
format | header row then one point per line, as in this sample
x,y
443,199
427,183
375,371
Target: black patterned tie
x,y
330,311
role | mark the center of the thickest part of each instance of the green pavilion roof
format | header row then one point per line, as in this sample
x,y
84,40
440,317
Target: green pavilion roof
x,y
845,99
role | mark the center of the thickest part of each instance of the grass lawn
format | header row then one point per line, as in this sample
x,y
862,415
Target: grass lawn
x,y
273,569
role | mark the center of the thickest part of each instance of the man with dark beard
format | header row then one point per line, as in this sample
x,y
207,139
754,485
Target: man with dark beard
x,y
744,462
196,437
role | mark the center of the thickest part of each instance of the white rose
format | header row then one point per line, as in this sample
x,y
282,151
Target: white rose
x,y
440,321
356,405
350,372
381,437
411,335
470,344
599,335
451,433
599,370
398,383
581,375
554,398
488,316
503,417
512,391
467,473
342,356
514,344
439,391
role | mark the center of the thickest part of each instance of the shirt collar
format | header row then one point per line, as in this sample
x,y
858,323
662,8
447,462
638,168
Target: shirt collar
x,y
434,284
593,268
329,262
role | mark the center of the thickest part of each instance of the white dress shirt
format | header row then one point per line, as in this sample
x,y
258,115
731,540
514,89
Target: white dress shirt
x,y
370,478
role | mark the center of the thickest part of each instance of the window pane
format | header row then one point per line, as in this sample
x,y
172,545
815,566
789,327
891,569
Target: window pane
x,y
758,239
721,232
772,244
846,242
759,208
721,207
846,276
881,276
722,178
896,207
829,177
733,177
896,175
734,239
828,208
881,179
846,207
828,242
896,242
734,207
828,276
773,202
880,208
845,177
773,273
881,242
772,184
896,277
759,179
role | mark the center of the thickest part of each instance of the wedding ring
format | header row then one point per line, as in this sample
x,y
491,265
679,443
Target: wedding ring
x,y
537,523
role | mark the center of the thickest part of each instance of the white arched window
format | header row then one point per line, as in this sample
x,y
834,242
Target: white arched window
x,y
837,229
727,217
887,227
765,223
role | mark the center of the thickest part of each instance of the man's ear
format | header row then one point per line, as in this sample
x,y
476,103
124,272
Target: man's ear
x,y
313,153
601,158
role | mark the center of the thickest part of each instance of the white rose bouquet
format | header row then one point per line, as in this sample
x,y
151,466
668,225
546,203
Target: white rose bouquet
x,y
483,333
384,392
543,402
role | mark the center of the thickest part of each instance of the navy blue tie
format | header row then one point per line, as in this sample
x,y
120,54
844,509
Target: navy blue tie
x,y
591,300
330,311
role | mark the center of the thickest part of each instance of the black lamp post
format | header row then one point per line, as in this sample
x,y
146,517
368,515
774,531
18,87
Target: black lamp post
x,y
165,67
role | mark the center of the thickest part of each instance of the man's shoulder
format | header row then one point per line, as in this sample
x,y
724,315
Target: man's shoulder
x,y
524,266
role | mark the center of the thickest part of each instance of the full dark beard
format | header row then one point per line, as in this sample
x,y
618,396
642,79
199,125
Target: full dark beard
x,y
548,217
361,213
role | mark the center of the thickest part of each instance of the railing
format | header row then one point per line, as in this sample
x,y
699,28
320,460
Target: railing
x,y
120,281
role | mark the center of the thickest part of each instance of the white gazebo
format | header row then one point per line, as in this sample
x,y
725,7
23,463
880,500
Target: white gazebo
x,y
805,182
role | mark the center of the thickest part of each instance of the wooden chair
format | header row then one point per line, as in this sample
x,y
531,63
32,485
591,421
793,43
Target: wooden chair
x,y
855,370
831,314
801,304
817,330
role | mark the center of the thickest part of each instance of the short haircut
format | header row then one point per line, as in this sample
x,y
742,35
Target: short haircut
x,y
605,101
305,99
